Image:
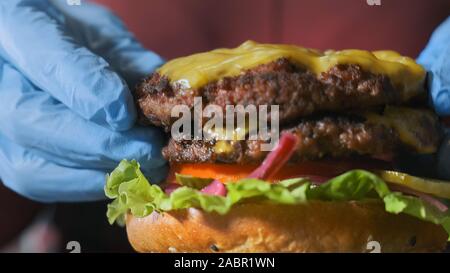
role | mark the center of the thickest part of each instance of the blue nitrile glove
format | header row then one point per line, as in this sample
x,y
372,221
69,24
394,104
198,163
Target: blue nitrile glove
x,y
436,59
66,114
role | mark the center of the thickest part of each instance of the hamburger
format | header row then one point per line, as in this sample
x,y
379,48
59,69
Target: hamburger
x,y
329,185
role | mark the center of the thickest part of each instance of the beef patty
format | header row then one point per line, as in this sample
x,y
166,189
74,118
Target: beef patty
x,y
297,91
329,136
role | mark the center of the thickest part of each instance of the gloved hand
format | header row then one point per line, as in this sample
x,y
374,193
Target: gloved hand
x,y
66,113
436,59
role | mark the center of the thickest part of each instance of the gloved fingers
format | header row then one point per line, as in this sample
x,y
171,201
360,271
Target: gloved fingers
x,y
439,83
105,34
34,119
436,59
36,178
34,41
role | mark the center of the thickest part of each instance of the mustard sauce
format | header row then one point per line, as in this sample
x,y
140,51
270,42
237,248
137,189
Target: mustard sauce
x,y
197,70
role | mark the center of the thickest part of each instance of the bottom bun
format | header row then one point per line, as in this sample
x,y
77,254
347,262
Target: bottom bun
x,y
317,226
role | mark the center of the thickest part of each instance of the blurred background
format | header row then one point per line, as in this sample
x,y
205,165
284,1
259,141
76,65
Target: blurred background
x,y
180,27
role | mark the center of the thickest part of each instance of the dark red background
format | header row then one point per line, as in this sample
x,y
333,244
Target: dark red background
x,y
178,27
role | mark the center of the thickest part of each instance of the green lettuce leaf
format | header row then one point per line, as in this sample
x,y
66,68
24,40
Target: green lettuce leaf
x,y
133,193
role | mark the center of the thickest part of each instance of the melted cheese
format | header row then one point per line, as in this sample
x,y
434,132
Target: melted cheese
x,y
223,147
199,69
411,126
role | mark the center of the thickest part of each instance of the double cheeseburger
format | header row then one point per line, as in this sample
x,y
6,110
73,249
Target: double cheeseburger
x,y
329,185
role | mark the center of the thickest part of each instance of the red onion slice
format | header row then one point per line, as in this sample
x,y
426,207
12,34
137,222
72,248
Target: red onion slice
x,y
215,188
171,187
277,158
425,197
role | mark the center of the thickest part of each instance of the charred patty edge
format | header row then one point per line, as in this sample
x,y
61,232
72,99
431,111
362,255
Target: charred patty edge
x,y
328,137
297,91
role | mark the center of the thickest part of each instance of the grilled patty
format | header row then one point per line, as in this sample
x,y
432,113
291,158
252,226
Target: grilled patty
x,y
333,136
297,91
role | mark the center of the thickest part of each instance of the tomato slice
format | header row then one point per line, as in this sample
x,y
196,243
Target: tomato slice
x,y
321,170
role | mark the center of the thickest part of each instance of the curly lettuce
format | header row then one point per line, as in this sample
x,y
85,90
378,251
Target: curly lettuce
x,y
132,192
